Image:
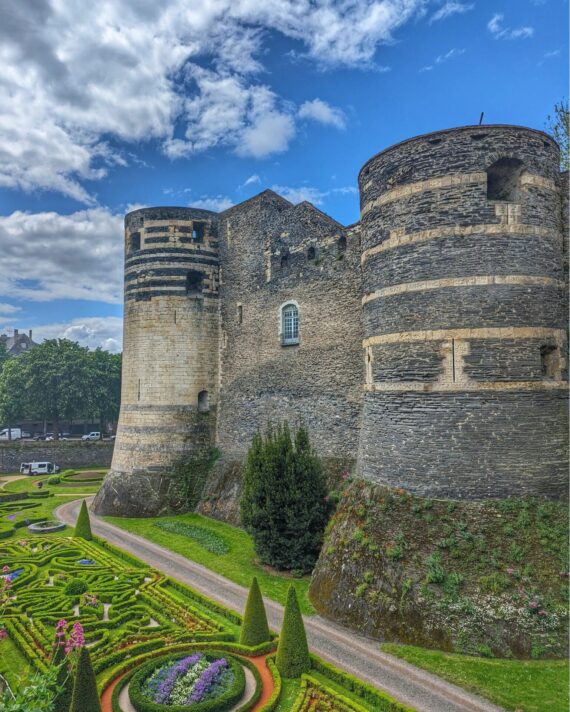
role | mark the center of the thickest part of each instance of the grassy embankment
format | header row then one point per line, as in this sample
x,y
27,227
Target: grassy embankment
x,y
527,685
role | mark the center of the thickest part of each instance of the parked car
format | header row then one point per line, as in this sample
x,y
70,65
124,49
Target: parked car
x,y
92,436
39,468
11,434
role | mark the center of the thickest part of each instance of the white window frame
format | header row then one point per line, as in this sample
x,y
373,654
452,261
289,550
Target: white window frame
x,y
293,338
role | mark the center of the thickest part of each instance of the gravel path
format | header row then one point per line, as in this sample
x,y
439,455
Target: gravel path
x,y
350,651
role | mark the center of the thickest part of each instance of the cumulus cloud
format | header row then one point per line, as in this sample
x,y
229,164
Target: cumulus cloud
x,y
451,8
319,110
495,27
105,332
74,73
8,309
47,256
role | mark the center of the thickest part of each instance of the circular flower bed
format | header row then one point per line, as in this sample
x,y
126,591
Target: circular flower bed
x,y
50,525
199,682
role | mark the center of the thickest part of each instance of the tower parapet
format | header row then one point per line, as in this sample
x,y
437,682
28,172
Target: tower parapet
x,y
170,355
463,313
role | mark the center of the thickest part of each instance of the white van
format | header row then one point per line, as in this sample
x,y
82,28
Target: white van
x,y
16,434
38,468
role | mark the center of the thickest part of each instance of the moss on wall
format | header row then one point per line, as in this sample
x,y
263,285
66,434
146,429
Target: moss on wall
x,y
484,577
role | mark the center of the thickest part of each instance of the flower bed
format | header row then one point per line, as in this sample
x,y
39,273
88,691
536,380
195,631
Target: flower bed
x,y
199,682
46,527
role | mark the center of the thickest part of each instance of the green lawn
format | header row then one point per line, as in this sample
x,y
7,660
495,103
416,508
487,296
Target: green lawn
x,y
530,686
289,691
40,508
13,665
238,564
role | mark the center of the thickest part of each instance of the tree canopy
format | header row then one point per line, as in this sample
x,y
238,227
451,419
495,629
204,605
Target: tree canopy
x,y
559,127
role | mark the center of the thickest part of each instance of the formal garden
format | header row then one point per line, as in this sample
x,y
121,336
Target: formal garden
x,y
79,605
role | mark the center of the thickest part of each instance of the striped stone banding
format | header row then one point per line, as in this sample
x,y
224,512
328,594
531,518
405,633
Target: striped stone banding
x,y
483,281
435,387
175,253
398,238
177,271
133,294
409,189
449,181
509,332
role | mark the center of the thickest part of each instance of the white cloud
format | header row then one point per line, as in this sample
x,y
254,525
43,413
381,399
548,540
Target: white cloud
x,y
451,8
8,309
310,194
319,110
217,203
105,332
47,256
452,54
75,72
251,180
495,27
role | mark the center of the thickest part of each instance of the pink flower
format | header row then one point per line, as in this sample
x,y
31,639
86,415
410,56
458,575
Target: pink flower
x,y
533,605
3,633
510,571
76,639
542,612
5,569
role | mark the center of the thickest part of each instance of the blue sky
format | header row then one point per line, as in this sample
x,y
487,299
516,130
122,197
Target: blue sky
x,y
207,103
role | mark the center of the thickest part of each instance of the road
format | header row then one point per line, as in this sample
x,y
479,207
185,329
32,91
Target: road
x,y
344,648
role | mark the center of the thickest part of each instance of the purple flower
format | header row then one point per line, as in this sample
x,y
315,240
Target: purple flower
x,y
181,667
206,680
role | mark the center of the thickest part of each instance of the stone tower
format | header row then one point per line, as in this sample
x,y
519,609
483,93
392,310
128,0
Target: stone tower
x,y
464,315
170,354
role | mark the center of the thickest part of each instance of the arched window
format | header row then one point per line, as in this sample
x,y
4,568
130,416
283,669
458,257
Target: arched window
x,y
503,180
311,253
198,232
341,244
289,325
203,404
135,241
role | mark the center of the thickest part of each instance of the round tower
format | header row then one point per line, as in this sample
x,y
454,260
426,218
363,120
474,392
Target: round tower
x,y
170,355
464,315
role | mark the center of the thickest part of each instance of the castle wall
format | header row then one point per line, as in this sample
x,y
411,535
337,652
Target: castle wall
x,y
319,380
464,317
170,354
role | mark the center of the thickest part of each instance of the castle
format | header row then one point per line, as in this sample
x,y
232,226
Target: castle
x,y
426,343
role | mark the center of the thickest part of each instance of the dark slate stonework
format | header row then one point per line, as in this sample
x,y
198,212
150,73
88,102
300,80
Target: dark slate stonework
x,y
420,361
506,360
467,445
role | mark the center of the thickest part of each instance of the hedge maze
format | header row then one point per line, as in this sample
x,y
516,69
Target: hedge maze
x,y
125,608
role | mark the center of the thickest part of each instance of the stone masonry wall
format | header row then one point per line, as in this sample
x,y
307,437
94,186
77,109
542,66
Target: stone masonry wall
x,y
65,453
464,315
265,248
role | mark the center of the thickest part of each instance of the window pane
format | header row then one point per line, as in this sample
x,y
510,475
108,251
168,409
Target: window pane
x,y
290,323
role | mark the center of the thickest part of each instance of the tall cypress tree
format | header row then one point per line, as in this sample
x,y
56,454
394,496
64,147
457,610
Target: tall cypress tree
x,y
292,658
85,696
83,525
284,503
254,629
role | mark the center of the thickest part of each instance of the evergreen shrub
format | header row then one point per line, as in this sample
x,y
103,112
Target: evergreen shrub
x,y
83,525
255,629
85,697
292,658
76,587
285,505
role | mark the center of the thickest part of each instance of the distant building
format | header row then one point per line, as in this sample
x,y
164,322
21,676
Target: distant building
x,y
18,343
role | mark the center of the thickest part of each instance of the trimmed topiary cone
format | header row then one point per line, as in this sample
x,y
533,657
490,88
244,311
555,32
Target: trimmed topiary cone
x,y
254,629
293,652
83,525
85,696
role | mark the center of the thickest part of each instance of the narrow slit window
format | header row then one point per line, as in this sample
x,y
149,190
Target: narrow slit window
x,y
240,314
341,244
194,283
311,253
549,359
289,325
284,261
135,241
203,402
198,232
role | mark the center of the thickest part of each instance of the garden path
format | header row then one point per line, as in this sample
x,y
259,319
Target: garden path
x,y
358,655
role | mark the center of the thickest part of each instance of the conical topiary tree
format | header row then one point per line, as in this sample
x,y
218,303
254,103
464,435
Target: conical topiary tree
x,y
254,629
293,652
83,525
85,696
64,680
